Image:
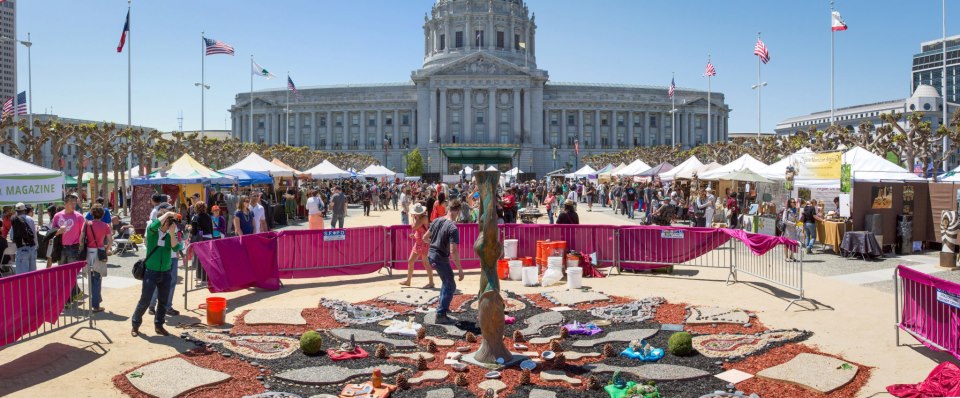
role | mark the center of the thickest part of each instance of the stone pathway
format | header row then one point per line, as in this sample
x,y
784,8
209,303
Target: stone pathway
x,y
274,316
430,375
366,336
618,336
413,355
573,355
326,375
259,347
657,372
172,377
558,375
496,385
538,393
543,340
441,393
701,315
574,297
815,372
739,345
733,376
637,311
440,342
430,318
412,297
540,321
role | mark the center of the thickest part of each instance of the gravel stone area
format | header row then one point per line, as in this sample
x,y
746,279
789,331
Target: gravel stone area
x,y
329,374
369,336
411,296
618,336
701,315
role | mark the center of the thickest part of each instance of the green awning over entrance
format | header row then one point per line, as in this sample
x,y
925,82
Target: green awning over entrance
x,y
480,154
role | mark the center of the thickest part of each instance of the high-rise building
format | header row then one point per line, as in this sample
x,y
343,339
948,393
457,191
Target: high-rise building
x,y
480,99
8,49
928,66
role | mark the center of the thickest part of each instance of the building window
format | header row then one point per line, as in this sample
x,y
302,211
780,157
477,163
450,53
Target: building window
x,y
620,122
405,120
443,42
588,121
636,122
372,122
323,121
571,120
478,38
479,118
516,42
459,40
653,121
604,121
500,40
355,121
553,119
455,117
388,121
260,123
698,122
504,117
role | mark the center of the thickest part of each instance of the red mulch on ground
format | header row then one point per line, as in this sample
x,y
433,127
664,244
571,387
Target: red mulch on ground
x,y
243,381
781,355
459,300
671,313
317,318
543,303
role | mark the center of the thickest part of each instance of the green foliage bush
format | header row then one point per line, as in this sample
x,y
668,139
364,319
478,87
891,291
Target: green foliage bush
x,y
311,343
680,344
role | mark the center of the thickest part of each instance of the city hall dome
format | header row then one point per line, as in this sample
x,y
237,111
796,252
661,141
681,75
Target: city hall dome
x,y
455,29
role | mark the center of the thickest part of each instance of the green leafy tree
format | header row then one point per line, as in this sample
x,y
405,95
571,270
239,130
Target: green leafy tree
x,y
414,163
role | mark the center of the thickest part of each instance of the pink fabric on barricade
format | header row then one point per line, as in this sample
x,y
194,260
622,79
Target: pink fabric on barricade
x,y
330,252
930,309
238,263
650,247
402,245
760,244
29,300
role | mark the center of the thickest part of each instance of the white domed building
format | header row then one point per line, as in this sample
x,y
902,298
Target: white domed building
x,y
480,99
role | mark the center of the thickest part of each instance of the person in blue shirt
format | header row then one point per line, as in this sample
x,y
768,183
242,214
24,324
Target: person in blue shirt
x,y
106,213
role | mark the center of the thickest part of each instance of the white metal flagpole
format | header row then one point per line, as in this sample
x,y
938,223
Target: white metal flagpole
x,y
833,67
251,97
759,89
673,112
129,72
709,105
286,135
203,83
943,81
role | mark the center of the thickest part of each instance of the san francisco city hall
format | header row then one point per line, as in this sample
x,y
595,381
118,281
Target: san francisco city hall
x,y
478,100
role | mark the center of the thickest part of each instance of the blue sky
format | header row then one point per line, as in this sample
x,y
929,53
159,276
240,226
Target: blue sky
x,y
77,72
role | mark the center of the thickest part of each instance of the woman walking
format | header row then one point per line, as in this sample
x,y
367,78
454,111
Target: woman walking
x,y
315,207
790,219
551,198
98,238
420,247
243,218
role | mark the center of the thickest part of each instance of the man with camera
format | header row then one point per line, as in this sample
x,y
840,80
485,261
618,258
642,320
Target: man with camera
x,y
161,238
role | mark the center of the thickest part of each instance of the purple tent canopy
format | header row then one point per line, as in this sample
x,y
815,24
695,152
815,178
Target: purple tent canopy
x,y
656,170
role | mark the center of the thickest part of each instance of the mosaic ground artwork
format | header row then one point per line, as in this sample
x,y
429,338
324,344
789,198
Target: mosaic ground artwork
x,y
433,364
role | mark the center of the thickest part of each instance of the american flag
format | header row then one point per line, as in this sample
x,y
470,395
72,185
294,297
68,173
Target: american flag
x,y
7,107
761,51
291,86
21,105
673,88
710,71
576,146
217,47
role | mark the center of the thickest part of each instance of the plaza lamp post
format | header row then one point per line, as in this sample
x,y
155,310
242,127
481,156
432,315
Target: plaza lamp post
x,y
386,152
28,44
202,107
757,87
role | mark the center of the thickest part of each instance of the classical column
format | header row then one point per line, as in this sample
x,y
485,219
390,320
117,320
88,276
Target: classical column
x,y
488,34
442,132
508,36
628,139
535,110
492,123
381,134
346,130
596,129
614,130
563,126
469,33
422,120
645,129
450,42
690,131
467,116
517,120
580,134
328,130
362,139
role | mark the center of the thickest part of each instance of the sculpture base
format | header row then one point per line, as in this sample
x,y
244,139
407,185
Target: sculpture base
x,y
514,360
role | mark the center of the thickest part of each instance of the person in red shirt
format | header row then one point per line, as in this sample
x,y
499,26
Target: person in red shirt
x,y
510,207
98,236
8,214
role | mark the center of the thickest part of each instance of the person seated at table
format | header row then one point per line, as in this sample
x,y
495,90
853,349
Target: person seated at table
x,y
664,214
569,214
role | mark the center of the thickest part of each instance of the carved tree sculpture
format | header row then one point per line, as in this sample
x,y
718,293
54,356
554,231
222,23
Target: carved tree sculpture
x,y
489,248
949,224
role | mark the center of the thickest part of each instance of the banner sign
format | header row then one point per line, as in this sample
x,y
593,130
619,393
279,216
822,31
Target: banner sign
x,y
948,298
818,166
669,234
30,189
334,235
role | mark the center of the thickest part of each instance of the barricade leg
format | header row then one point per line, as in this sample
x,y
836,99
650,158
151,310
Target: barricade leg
x,y
732,276
800,296
896,307
91,323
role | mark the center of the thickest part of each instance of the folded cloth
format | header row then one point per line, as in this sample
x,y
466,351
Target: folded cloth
x,y
358,353
943,381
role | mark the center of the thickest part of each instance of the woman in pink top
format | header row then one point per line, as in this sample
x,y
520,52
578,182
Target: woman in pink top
x,y
420,248
98,237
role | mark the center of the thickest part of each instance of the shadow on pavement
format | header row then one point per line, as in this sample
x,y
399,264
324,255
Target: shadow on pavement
x,y
48,363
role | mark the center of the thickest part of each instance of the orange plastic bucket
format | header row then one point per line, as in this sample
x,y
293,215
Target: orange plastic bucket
x,y
527,261
503,269
216,307
540,249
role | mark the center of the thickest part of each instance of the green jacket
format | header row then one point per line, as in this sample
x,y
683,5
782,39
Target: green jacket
x,y
159,261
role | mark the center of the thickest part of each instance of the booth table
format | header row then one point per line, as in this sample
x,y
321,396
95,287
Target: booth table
x,y
863,243
831,233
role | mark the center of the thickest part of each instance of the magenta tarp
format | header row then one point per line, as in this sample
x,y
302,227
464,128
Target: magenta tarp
x,y
943,381
330,252
649,247
924,315
238,263
402,245
760,244
29,300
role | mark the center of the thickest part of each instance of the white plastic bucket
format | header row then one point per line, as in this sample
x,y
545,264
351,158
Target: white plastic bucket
x,y
516,270
574,277
572,262
555,262
529,276
510,248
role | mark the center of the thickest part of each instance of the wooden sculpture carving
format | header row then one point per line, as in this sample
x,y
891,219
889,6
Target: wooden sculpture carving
x,y
489,249
949,224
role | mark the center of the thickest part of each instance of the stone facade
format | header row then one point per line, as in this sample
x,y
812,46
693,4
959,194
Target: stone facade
x,y
480,87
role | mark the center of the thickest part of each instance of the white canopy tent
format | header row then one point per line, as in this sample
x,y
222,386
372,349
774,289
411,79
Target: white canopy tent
x,y
256,163
606,175
26,182
583,172
377,171
467,171
638,166
492,168
514,172
699,171
864,166
745,162
690,165
326,170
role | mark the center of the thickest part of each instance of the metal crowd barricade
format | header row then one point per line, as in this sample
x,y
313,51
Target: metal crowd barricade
x,y
400,245
317,253
39,302
586,239
927,308
771,267
649,247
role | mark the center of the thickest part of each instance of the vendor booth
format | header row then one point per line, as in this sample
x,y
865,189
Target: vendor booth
x,y
28,183
638,166
584,172
606,176
656,170
377,171
327,171
180,179
248,178
742,163
256,163
687,167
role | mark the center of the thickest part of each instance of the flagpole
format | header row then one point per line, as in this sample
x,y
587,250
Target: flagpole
x,y
943,81
833,68
709,104
673,112
203,84
129,71
759,89
251,98
287,114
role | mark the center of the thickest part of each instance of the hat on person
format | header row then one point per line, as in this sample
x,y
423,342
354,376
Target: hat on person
x,y
21,206
569,202
215,208
418,209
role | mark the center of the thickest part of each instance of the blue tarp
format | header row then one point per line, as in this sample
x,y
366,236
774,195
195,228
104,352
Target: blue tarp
x,y
246,178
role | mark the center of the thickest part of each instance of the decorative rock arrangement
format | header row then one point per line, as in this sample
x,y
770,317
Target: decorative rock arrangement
x,y
367,336
441,393
411,297
702,315
430,375
543,340
259,347
618,336
495,385
413,355
326,375
574,297
274,316
637,311
558,375
540,321
741,345
356,314
819,373
156,379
